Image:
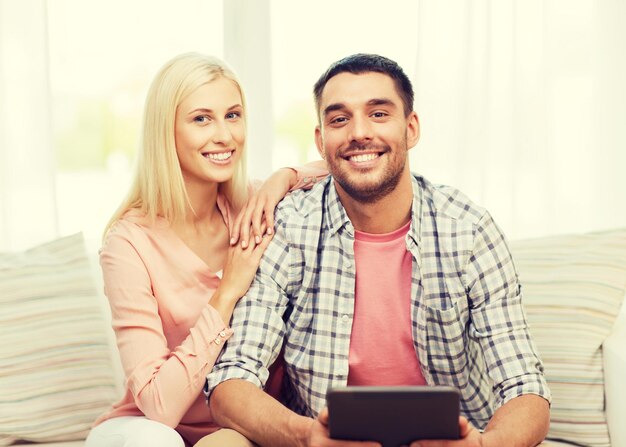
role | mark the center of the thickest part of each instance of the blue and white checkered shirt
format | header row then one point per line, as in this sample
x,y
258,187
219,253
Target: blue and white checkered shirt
x,y
469,327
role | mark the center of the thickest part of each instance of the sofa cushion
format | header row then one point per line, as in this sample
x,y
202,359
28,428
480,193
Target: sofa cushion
x,y
573,290
56,373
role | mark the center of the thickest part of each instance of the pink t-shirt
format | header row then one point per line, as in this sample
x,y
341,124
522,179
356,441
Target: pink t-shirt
x,y
381,344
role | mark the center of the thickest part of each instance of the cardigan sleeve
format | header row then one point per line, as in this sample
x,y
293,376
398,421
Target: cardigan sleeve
x,y
306,176
309,174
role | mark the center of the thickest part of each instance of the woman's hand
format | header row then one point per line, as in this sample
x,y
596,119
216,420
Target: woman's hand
x,y
238,272
257,217
241,266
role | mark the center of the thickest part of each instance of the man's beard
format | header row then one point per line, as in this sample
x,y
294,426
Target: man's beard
x,y
369,192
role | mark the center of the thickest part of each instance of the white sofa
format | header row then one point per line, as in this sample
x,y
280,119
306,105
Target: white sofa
x,y
614,348
59,366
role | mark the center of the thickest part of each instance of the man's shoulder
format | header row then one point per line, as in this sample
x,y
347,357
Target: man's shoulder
x,y
449,202
301,204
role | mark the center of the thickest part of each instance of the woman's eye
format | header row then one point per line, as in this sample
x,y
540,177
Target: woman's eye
x,y
201,119
233,115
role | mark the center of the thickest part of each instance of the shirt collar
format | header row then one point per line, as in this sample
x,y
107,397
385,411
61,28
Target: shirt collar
x,y
415,233
338,218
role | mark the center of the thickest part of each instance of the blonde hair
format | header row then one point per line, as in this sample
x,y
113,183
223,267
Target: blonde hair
x,y
158,188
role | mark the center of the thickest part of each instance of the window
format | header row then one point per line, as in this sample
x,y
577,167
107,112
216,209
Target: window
x,y
326,31
103,56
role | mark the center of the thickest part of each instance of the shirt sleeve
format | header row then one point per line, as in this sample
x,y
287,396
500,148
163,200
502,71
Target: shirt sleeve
x,y
164,382
498,318
257,323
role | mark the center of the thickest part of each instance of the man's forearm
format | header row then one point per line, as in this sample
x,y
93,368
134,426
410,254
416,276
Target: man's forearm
x,y
240,405
521,422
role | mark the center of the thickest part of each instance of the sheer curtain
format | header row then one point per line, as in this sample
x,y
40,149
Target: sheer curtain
x,y
247,48
523,107
27,167
522,104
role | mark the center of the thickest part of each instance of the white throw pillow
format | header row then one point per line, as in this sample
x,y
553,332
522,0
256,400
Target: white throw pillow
x,y
573,289
56,374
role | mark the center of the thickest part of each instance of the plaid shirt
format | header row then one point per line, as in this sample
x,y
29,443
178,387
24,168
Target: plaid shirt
x,y
469,327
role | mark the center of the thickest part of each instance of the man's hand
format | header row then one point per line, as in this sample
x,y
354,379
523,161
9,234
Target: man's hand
x,y
522,421
470,437
319,437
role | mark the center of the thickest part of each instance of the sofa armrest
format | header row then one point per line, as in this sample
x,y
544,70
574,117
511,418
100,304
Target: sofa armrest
x,y
614,350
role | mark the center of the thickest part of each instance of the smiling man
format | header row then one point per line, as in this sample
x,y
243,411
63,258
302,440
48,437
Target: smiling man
x,y
378,277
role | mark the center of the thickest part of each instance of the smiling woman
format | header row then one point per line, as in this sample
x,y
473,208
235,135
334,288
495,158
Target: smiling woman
x,y
217,134
170,275
183,122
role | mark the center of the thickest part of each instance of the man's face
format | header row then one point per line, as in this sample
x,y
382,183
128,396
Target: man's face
x,y
364,134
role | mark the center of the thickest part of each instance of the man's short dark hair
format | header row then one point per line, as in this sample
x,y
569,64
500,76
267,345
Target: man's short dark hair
x,y
363,63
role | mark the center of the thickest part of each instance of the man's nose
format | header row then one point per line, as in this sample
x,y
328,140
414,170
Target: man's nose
x,y
361,128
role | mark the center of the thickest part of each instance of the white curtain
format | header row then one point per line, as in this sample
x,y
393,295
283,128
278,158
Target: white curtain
x,y
27,196
248,49
523,107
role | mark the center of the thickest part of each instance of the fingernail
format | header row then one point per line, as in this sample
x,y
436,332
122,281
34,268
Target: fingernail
x,y
244,244
232,241
270,231
258,239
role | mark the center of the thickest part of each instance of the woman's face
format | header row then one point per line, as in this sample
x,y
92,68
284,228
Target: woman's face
x,y
210,132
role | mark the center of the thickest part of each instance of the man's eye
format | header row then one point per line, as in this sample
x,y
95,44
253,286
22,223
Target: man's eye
x,y
338,120
379,114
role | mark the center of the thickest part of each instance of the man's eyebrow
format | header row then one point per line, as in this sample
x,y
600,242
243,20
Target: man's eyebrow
x,y
334,107
372,102
381,102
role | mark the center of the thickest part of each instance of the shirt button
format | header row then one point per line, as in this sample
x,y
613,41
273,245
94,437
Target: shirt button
x,y
347,264
306,180
345,318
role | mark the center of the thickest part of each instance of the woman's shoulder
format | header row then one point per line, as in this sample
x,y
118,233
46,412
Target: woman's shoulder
x,y
135,217
134,226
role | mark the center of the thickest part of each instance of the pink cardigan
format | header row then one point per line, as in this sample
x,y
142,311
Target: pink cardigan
x,y
159,292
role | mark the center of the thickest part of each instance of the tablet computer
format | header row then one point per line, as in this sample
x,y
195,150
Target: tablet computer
x,y
393,416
